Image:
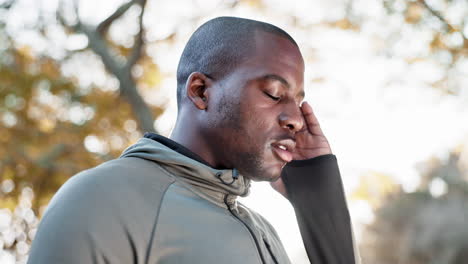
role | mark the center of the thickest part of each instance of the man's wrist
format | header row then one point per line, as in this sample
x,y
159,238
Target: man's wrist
x,y
312,161
316,180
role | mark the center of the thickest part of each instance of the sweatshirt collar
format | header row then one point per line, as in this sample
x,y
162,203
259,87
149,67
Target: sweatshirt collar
x,y
190,170
175,146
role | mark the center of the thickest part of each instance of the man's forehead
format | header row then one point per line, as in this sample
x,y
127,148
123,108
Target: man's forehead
x,y
264,39
277,50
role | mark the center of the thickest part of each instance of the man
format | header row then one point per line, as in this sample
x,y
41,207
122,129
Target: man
x,y
240,118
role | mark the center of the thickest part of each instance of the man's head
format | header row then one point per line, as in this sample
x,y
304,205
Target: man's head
x,y
240,84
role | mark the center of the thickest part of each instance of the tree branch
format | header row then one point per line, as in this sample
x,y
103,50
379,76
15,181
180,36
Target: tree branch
x,y
100,47
437,14
62,20
139,42
122,71
104,25
95,41
46,161
7,4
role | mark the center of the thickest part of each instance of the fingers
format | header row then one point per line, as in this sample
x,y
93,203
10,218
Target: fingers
x,y
310,119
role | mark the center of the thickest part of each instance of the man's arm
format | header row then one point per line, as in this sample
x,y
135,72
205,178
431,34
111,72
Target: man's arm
x,y
313,185
315,189
76,227
103,215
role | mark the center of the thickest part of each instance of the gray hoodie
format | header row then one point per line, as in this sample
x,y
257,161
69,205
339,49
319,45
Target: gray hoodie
x,y
154,205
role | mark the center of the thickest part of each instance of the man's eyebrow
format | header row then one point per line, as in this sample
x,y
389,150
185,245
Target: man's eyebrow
x,y
274,77
283,81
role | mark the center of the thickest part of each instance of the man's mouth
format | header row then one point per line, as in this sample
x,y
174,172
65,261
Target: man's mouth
x,y
284,149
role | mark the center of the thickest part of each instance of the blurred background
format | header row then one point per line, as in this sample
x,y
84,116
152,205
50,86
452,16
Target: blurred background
x,y
82,80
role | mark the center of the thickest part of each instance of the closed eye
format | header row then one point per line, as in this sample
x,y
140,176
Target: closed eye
x,y
272,97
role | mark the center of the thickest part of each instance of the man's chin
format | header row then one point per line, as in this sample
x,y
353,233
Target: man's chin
x,y
266,168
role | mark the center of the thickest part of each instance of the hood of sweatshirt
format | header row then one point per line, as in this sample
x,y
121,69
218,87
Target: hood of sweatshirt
x,y
211,183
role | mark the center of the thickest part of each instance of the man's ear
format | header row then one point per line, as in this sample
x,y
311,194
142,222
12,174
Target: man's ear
x,y
197,89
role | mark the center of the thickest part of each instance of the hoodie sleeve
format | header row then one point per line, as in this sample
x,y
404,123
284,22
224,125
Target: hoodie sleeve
x,y
78,227
101,216
315,190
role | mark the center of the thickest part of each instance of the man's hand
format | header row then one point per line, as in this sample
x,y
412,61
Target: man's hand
x,y
310,143
310,140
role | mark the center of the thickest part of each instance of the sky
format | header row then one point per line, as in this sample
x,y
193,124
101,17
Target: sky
x,y
379,112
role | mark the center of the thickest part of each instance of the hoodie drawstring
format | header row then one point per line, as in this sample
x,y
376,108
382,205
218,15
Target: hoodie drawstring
x,y
235,176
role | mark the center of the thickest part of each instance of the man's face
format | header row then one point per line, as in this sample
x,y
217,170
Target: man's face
x,y
256,110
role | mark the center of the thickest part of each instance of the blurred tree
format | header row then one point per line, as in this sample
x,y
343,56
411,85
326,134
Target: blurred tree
x,y
55,120
420,31
46,116
423,227
446,24
52,126
111,55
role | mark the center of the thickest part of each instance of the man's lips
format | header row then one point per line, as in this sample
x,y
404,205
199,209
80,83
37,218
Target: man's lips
x,y
284,149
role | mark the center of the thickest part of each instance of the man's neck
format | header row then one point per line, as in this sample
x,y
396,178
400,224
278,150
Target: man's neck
x,y
190,139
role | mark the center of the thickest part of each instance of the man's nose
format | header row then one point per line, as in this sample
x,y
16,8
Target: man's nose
x,y
292,118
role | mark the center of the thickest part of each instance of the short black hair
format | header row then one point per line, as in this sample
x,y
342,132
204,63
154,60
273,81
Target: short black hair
x,y
218,46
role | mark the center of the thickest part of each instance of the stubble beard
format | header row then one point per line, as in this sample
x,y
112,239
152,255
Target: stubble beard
x,y
244,152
